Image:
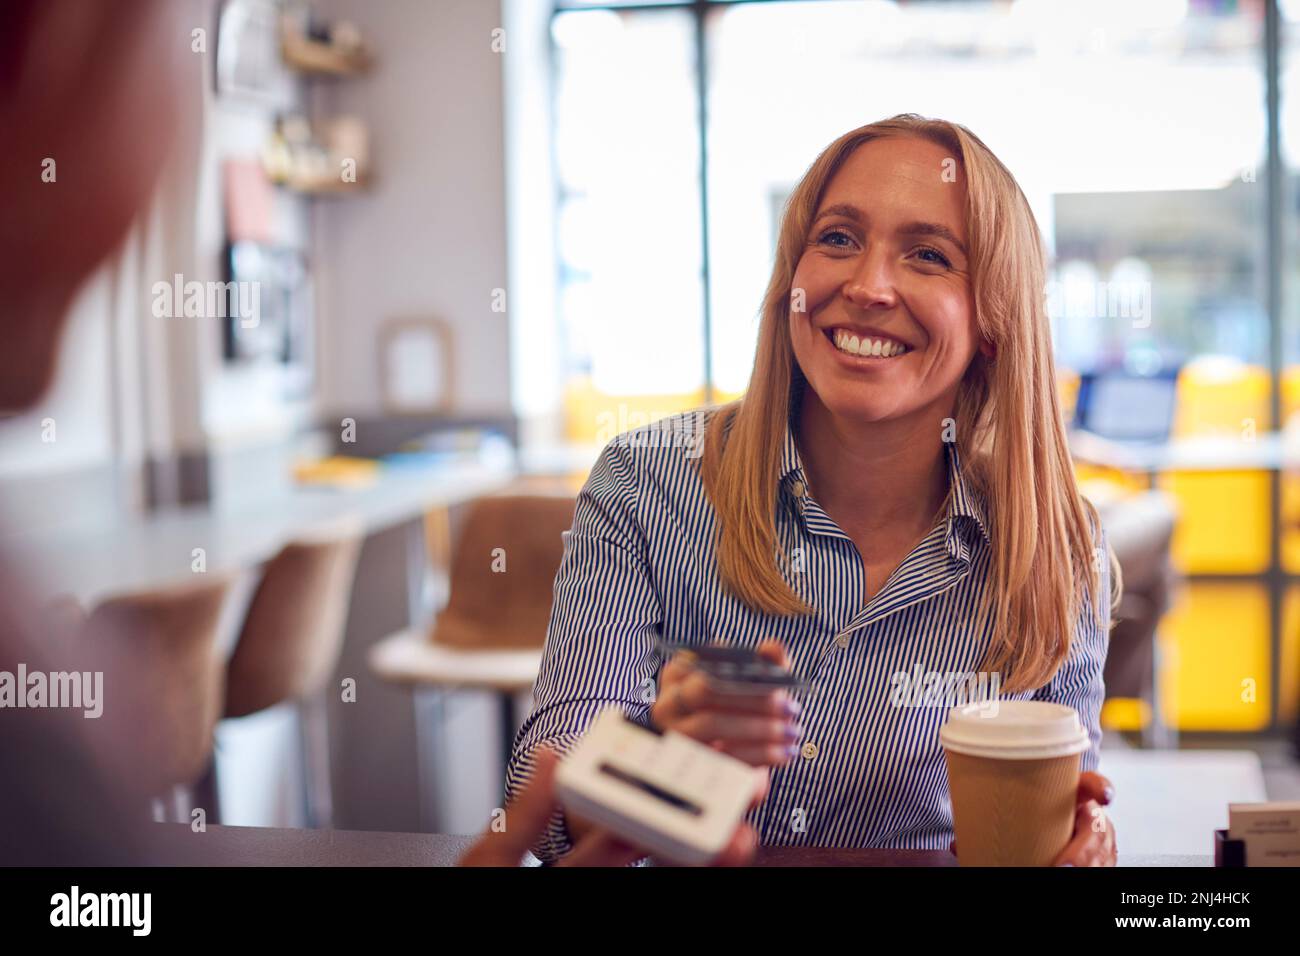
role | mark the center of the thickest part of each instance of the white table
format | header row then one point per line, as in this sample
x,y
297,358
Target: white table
x,y
145,553
1266,451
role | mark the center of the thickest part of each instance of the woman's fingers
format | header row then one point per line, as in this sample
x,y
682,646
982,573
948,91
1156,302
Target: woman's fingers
x,y
1093,843
760,727
1076,852
774,651
697,692
759,755
675,670
710,725
1093,786
758,742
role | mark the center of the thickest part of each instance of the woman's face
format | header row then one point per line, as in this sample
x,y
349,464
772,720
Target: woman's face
x,y
887,328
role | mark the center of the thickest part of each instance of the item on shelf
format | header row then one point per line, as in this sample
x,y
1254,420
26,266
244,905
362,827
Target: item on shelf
x,y
338,471
311,46
346,37
277,157
488,446
333,157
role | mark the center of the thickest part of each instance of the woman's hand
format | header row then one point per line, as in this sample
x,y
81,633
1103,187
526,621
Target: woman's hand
x,y
761,728
527,816
1093,842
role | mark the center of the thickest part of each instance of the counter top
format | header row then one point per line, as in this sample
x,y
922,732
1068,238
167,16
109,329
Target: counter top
x,y
268,846
157,550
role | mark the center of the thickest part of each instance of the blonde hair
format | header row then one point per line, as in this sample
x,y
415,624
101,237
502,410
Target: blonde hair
x,y
1008,416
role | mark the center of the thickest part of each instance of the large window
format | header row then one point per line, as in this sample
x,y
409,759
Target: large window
x,y
629,239
1137,131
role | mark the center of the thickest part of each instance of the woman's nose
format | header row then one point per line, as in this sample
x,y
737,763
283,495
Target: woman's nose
x,y
872,282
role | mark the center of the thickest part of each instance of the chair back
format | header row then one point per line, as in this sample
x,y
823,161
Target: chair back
x,y
293,633
162,682
503,570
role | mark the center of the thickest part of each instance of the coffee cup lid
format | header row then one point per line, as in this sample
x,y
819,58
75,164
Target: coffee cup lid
x,y
1014,730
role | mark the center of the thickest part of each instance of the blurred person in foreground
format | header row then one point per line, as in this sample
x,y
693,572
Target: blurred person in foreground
x,y
85,85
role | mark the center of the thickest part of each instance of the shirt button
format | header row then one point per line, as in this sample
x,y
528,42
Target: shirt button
x,y
809,750
798,488
842,641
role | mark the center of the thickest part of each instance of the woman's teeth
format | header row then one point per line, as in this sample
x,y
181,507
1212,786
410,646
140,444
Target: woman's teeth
x,y
875,348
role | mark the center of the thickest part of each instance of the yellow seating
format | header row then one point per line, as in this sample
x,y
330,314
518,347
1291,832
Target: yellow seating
x,y
1216,662
594,417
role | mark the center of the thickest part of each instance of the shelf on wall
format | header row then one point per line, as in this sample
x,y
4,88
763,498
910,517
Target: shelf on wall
x,y
312,56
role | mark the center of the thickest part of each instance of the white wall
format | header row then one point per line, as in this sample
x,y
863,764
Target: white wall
x,y
429,238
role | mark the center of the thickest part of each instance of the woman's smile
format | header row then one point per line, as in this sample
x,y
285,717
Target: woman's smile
x,y
864,349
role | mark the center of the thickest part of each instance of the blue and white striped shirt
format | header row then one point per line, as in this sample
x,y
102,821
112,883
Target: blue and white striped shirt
x,y
639,566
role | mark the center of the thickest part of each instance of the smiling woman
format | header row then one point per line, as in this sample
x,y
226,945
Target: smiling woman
x,y
892,495
874,247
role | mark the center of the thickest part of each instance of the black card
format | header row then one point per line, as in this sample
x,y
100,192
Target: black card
x,y
739,668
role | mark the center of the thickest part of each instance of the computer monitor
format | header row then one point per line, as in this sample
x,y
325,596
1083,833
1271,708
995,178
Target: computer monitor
x,y
1121,406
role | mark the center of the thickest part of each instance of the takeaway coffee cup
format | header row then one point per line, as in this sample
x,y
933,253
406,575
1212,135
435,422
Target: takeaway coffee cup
x,y
1013,773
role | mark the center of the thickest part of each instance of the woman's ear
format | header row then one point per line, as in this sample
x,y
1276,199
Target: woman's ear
x,y
988,350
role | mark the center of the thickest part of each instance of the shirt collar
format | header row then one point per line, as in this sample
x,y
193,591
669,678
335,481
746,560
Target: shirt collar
x,y
965,503
966,506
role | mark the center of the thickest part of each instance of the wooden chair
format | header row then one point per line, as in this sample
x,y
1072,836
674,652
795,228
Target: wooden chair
x,y
490,634
289,647
162,683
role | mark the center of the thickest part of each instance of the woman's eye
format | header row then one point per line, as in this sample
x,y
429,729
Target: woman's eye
x,y
933,255
836,232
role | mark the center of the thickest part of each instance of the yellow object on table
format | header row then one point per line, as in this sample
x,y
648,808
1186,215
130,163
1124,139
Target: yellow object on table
x,y
338,471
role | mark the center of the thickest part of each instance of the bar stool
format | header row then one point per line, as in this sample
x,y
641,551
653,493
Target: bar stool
x,y
290,643
162,684
489,637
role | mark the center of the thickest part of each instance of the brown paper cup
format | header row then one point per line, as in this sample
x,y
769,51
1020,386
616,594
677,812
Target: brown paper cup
x,y
1009,812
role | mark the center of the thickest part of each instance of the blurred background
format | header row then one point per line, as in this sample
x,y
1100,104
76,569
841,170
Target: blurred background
x,y
428,256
